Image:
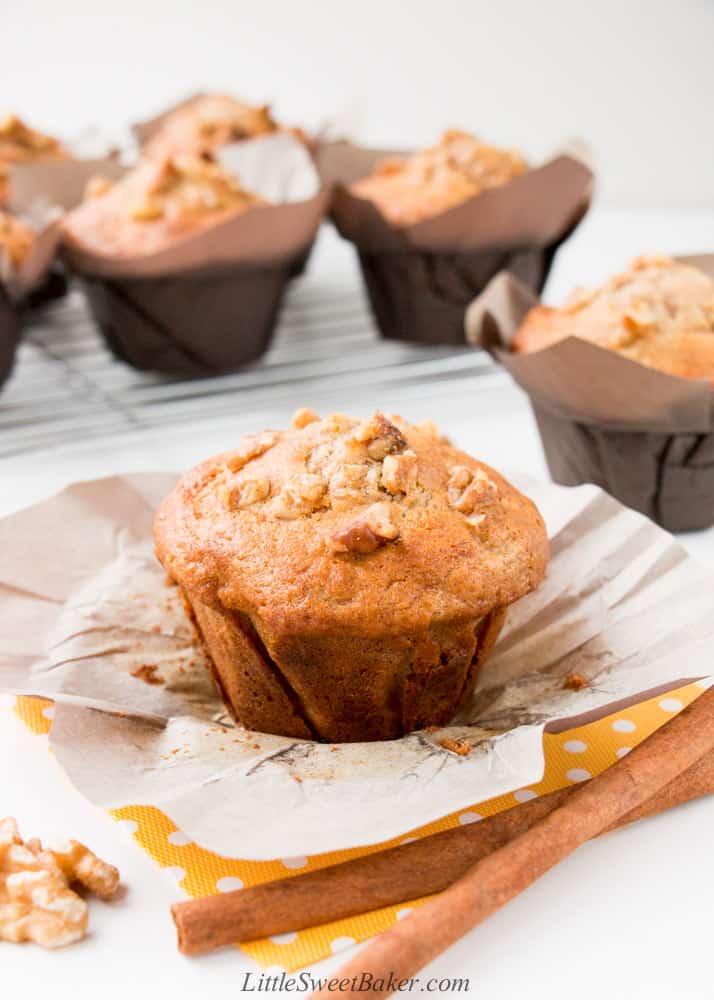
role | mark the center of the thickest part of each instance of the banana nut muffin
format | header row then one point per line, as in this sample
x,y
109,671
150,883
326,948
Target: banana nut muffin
x,y
348,577
21,144
659,312
16,239
208,122
409,189
155,204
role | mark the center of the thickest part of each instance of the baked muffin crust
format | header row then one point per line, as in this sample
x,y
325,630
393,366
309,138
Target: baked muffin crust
x,y
409,189
157,203
16,239
21,144
209,122
659,312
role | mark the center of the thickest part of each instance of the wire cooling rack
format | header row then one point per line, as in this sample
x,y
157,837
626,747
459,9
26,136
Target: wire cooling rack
x,y
67,386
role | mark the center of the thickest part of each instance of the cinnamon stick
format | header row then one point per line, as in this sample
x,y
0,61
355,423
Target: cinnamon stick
x,y
383,878
402,951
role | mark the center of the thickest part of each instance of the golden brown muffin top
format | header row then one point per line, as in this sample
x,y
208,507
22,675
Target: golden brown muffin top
x,y
409,189
362,526
659,312
21,144
209,122
16,238
155,204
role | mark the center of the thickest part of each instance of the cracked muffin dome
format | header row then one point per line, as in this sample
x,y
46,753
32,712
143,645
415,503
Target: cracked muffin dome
x,y
409,189
155,204
208,122
659,312
348,577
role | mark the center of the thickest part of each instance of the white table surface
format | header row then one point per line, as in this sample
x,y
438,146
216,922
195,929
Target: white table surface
x,y
627,916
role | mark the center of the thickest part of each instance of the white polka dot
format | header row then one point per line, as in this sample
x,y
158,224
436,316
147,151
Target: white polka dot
x,y
409,840
129,826
286,938
176,872
624,726
671,705
404,912
297,862
578,774
8,701
469,817
340,943
228,883
705,682
49,711
525,795
179,839
623,751
575,746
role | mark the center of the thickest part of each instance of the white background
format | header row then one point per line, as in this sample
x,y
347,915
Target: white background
x,y
635,78
629,916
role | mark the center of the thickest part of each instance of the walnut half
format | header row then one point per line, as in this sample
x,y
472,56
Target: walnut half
x,y
368,532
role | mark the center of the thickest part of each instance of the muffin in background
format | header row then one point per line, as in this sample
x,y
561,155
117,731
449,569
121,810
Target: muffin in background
x,y
154,205
431,229
207,122
408,189
16,240
348,577
659,312
21,144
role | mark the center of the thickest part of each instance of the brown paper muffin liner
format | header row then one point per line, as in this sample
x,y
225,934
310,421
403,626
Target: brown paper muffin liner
x,y
9,336
420,278
644,436
202,322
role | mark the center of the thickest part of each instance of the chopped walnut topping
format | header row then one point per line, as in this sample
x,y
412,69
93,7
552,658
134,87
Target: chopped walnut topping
x,y
367,532
36,901
303,417
467,489
247,492
399,472
381,436
301,494
251,447
461,747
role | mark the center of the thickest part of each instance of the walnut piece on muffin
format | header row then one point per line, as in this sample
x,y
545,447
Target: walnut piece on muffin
x,y
21,144
16,239
659,312
411,188
348,577
209,122
155,204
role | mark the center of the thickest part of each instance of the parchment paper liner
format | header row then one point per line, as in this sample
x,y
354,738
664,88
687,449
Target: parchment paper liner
x,y
84,604
420,278
644,436
209,303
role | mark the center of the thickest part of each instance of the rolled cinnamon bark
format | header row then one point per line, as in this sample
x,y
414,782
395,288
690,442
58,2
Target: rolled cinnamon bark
x,y
599,805
383,878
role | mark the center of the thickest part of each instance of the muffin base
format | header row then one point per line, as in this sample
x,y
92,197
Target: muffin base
x,y
194,323
422,297
667,477
342,688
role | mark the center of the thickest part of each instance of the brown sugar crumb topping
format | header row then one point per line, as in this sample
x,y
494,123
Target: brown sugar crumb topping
x,y
180,186
367,532
252,446
467,489
37,901
303,417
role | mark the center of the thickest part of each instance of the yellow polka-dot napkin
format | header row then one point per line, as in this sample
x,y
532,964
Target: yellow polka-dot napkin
x,y
570,757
